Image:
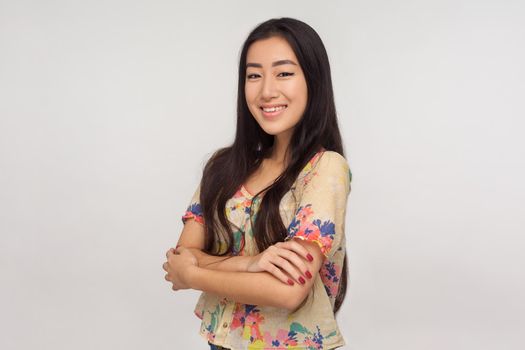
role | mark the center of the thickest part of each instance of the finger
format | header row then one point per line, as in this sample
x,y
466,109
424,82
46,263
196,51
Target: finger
x,y
289,268
277,273
296,260
298,248
170,251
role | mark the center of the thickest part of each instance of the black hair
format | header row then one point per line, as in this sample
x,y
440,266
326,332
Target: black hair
x,y
229,167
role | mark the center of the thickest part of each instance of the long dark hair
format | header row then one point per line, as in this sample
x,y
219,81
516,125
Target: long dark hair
x,y
229,167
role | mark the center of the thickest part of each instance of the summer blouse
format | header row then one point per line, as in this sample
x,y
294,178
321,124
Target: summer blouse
x,y
314,210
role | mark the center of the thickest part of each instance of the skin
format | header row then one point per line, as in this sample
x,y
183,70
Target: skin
x,y
289,268
281,84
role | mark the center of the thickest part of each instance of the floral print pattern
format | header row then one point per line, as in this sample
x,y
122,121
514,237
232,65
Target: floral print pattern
x,y
314,210
249,318
304,227
330,275
194,210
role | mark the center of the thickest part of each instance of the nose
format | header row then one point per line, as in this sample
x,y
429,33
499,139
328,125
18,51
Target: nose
x,y
269,88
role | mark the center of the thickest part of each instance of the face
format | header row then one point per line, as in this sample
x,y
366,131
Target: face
x,y
276,91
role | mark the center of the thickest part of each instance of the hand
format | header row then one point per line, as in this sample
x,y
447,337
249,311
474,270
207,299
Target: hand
x,y
283,260
179,263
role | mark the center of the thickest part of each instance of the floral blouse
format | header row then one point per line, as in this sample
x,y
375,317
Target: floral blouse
x,y
313,209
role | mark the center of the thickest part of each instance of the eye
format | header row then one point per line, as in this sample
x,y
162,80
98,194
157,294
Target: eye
x,y
286,74
249,76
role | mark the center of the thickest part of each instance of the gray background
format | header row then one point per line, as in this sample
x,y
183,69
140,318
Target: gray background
x,y
109,110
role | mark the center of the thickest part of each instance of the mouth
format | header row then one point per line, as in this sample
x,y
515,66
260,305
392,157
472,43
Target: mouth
x,y
271,112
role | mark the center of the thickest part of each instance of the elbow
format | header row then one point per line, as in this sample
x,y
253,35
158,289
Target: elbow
x,y
294,298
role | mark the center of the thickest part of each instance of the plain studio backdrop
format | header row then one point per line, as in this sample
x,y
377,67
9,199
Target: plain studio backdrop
x,y
109,110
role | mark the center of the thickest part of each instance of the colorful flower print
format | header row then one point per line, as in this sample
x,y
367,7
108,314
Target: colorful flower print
x,y
314,211
304,227
194,210
330,274
249,318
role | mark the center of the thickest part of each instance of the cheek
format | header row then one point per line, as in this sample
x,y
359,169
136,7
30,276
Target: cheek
x,y
299,92
300,98
250,96
250,91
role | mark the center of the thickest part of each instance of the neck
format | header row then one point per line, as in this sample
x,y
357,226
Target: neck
x,y
280,153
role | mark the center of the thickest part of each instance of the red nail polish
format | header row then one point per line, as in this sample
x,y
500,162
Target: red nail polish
x,y
309,257
290,282
308,274
301,280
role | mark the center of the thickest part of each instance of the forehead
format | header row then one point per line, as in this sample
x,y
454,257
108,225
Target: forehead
x,y
266,51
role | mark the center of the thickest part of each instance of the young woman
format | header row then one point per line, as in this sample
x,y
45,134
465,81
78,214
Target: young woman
x,y
266,244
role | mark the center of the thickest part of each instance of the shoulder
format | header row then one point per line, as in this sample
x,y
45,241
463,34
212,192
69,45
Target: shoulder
x,y
332,163
326,168
332,159
323,159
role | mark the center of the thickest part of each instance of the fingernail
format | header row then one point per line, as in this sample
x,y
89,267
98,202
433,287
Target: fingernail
x,y
309,257
290,282
308,274
301,280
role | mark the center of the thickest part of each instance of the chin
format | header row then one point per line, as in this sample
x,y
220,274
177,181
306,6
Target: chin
x,y
272,132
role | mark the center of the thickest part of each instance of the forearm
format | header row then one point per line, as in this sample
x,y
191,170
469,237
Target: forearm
x,y
246,287
222,263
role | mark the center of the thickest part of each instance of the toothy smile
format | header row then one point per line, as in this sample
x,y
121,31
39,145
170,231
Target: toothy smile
x,y
273,109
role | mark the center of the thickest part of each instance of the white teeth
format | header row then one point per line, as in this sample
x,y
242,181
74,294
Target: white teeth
x,y
273,109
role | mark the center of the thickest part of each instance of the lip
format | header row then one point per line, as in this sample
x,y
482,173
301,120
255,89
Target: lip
x,y
274,105
272,115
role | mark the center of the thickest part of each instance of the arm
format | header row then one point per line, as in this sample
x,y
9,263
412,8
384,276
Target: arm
x,y
192,238
318,226
284,256
222,263
250,287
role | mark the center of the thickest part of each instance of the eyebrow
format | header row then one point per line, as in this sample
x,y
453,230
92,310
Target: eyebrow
x,y
276,63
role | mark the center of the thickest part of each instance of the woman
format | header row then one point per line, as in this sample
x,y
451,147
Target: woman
x,y
266,244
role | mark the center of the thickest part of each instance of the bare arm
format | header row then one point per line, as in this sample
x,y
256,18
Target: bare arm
x,y
243,287
252,287
222,263
192,238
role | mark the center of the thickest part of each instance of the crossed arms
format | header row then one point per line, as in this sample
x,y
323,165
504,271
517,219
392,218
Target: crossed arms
x,y
263,279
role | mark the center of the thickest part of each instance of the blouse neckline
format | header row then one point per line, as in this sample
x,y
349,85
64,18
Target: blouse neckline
x,y
247,193
250,196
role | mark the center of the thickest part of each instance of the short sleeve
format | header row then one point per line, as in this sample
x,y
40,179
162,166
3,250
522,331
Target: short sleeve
x,y
321,206
194,209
